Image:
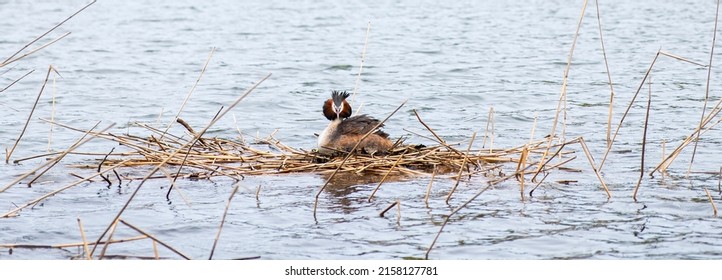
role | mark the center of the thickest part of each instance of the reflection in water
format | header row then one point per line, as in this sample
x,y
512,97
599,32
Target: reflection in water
x,y
343,188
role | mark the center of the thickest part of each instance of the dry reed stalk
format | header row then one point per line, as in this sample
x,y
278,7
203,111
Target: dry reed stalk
x,y
711,201
353,151
67,245
196,138
34,201
543,164
157,167
156,255
112,229
154,239
358,110
719,181
398,213
594,168
80,177
438,139
361,66
665,163
51,162
101,164
25,127
383,212
9,59
489,122
420,135
85,242
563,92
664,152
240,134
446,221
129,257
190,92
457,209
433,175
563,137
75,145
9,108
616,131
17,80
706,91
609,75
461,168
533,127
160,116
169,177
3,64
564,168
531,192
258,191
190,130
673,155
52,114
520,170
173,138
386,175
677,57
644,140
223,220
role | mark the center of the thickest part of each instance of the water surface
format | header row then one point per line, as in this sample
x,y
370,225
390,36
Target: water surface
x,y
453,61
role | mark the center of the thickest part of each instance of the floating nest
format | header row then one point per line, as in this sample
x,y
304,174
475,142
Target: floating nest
x,y
215,156
212,156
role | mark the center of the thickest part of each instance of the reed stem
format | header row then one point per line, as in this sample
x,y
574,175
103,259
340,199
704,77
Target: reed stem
x,y
644,140
158,166
386,175
621,121
85,242
706,91
711,201
25,127
9,59
190,92
609,75
361,66
223,220
461,168
154,239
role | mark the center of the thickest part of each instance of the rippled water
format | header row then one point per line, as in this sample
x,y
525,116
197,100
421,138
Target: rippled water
x,y
453,61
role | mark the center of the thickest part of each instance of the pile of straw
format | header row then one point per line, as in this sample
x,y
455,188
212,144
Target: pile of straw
x,y
213,156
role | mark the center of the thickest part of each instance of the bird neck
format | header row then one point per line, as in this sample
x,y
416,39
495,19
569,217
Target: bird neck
x,y
330,134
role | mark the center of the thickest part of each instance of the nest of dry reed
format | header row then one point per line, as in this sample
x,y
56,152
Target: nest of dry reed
x,y
213,156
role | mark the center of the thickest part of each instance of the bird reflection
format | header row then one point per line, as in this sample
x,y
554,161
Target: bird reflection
x,y
350,190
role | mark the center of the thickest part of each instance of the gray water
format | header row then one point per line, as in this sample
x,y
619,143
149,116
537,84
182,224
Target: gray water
x,y
453,61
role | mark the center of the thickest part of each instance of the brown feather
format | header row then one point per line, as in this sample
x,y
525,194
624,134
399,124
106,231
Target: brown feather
x,y
374,143
328,110
361,124
346,111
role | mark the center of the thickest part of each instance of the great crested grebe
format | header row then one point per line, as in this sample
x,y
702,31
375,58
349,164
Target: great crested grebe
x,y
345,131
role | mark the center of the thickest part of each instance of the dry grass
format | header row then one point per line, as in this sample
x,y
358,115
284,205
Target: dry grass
x,y
213,156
